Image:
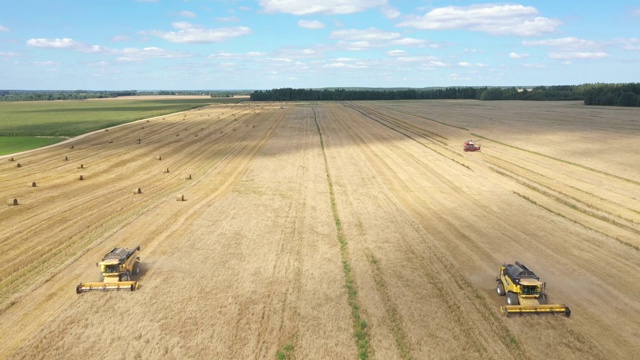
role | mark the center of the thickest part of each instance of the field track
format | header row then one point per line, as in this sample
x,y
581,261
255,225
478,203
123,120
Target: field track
x,y
328,231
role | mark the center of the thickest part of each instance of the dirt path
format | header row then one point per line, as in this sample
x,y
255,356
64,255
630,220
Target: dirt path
x,y
319,230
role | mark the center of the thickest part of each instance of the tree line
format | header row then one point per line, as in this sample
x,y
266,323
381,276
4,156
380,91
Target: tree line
x,y
591,94
627,94
44,95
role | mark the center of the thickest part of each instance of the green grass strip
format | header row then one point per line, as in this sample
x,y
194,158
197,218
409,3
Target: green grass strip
x,y
16,144
359,324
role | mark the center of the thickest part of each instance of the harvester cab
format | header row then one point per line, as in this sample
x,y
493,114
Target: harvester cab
x,y
470,145
525,292
118,267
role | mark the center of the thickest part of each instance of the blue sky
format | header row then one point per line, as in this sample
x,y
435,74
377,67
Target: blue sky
x,y
264,44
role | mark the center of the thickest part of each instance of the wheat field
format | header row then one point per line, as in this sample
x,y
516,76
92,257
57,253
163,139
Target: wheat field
x,y
328,231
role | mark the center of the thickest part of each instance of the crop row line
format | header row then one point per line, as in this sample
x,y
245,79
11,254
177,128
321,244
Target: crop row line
x,y
560,160
571,206
359,324
409,136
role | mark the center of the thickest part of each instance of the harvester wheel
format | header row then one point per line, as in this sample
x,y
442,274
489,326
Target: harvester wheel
x,y
512,299
500,289
136,269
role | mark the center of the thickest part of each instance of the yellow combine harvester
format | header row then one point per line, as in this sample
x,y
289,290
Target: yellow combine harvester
x,y
118,268
525,292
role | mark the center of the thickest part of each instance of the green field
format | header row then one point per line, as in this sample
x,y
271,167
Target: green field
x,y
32,124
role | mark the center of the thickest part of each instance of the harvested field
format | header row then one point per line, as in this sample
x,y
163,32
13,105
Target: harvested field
x,y
329,231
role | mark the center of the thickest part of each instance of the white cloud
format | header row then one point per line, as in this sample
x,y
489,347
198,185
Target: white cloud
x,y
189,14
227,19
356,40
346,64
430,61
45,63
572,55
628,44
396,53
200,36
490,18
285,60
468,64
7,55
572,48
369,35
412,42
65,43
182,25
123,55
309,7
139,55
227,55
3,28
119,38
513,55
310,24
390,12
566,42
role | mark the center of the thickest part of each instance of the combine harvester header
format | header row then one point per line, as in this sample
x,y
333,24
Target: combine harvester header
x,y
525,293
118,268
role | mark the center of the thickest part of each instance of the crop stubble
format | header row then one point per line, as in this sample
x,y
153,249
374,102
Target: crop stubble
x,y
250,264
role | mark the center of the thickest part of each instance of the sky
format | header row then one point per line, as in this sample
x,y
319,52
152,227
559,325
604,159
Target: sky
x,y
266,44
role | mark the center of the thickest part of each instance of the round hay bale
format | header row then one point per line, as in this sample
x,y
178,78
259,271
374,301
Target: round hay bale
x,y
18,165
106,130
177,134
137,191
81,177
81,166
158,157
110,141
188,177
165,170
12,202
12,159
66,158
71,147
180,198
148,120
33,184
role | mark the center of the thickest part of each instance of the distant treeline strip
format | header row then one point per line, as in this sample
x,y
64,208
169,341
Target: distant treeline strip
x,y
45,95
591,94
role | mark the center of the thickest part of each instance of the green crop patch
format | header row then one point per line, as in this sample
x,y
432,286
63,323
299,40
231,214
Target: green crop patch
x,y
33,124
15,144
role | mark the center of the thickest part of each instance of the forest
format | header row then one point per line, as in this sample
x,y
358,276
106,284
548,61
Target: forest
x,y
591,94
626,94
